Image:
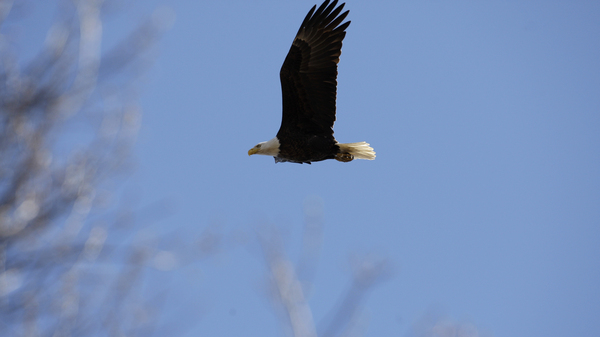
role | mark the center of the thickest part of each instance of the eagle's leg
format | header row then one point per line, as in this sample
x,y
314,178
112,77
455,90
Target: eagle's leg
x,y
344,157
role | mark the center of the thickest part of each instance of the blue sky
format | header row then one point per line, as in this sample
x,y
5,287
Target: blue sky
x,y
484,197
485,194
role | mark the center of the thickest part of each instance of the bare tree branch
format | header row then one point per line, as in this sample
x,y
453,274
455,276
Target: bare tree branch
x,y
289,293
59,273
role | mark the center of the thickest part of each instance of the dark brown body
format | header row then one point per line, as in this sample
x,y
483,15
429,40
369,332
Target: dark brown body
x,y
306,149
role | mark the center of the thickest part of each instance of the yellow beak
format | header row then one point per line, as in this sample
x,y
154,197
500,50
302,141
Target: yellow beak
x,y
253,150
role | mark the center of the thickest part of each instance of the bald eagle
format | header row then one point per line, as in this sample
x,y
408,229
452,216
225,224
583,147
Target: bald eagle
x,y
308,85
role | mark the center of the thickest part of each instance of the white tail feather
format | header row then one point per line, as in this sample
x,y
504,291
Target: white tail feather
x,y
360,150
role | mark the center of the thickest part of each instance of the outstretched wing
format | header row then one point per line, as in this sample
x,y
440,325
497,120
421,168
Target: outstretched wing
x,y
309,72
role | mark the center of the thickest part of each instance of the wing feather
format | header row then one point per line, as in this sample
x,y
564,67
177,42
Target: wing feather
x,y
309,72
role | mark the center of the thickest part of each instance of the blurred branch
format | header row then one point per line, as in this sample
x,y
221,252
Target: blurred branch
x,y
367,272
55,222
433,324
290,295
286,288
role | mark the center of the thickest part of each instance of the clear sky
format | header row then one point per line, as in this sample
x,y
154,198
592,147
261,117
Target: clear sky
x,y
485,195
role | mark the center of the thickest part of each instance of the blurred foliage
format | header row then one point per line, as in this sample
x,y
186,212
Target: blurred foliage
x,y
68,119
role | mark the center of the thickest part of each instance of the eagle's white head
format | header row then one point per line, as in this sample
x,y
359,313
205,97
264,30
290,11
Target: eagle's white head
x,y
268,148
